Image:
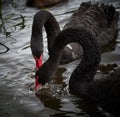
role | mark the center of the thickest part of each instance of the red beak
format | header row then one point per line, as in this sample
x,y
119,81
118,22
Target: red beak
x,y
38,86
38,62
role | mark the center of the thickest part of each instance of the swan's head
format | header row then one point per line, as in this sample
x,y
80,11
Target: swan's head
x,y
44,74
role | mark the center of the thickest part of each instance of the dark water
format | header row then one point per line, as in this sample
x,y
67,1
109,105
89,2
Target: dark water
x,y
17,67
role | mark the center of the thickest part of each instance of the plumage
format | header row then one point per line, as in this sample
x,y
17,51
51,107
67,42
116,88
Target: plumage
x,y
99,19
90,26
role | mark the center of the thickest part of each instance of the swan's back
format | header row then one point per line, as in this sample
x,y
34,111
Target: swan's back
x,y
94,18
106,92
98,19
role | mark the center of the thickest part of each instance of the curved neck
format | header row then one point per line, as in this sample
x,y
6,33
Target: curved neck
x,y
89,62
46,19
91,56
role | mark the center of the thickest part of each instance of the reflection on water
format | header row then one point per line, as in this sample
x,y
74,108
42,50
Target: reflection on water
x,y
17,98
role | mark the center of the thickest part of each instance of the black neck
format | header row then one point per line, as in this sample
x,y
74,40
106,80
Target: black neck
x,y
46,19
89,62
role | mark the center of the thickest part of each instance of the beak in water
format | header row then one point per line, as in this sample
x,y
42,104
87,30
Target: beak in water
x,y
38,86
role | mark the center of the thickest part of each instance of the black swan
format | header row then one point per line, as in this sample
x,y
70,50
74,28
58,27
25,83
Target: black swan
x,y
52,29
99,20
104,91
